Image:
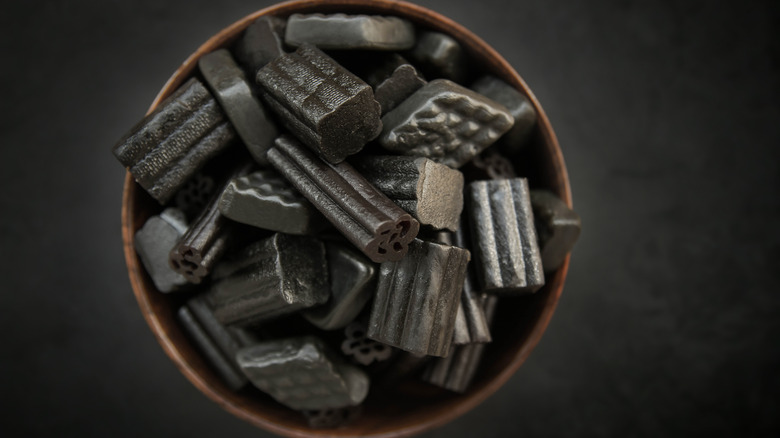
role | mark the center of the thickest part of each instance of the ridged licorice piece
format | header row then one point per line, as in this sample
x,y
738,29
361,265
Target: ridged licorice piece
x,y
363,350
234,93
456,371
172,143
269,278
349,32
365,216
352,284
470,323
557,227
417,298
429,191
261,43
445,122
264,199
441,56
506,251
153,243
219,344
490,164
401,84
518,105
302,374
325,106
391,76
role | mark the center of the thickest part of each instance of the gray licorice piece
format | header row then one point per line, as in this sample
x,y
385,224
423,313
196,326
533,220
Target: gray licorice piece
x,y
269,278
362,349
195,195
519,106
471,326
365,216
302,374
417,298
265,199
261,43
557,227
445,122
332,418
234,93
341,31
325,106
172,143
429,191
490,164
154,241
440,56
352,284
218,343
401,84
506,251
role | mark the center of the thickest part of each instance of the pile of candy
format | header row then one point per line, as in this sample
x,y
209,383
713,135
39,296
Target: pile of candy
x,y
315,170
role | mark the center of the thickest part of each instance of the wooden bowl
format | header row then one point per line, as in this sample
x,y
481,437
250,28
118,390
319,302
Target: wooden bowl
x,y
413,406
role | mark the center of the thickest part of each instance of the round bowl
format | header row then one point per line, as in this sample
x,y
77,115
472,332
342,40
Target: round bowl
x,y
411,407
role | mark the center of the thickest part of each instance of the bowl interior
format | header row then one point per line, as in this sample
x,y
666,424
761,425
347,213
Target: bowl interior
x,y
412,406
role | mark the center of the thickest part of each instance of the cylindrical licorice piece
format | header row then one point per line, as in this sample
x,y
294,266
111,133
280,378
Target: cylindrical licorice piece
x,y
441,56
195,195
417,298
431,192
365,216
302,374
153,243
234,93
261,43
506,251
518,105
471,326
349,32
172,143
269,278
490,164
363,350
445,122
328,108
557,226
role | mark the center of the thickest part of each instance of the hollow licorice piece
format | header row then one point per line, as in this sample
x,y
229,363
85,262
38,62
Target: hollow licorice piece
x,y
234,93
506,251
261,43
269,278
332,418
328,108
429,191
417,298
195,195
172,143
490,164
153,243
264,199
364,350
341,31
440,56
365,216
445,122
352,284
301,373
557,227
518,105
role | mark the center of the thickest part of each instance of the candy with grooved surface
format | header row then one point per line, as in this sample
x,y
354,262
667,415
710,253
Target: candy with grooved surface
x,y
234,93
325,106
490,164
417,298
506,251
431,192
195,195
153,243
269,278
302,374
557,226
365,216
518,105
261,43
364,350
440,56
401,84
349,32
172,143
445,122
471,325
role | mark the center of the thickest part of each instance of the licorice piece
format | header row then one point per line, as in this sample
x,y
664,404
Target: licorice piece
x,y
365,216
401,84
470,324
364,350
261,43
490,164
557,227
518,105
441,56
153,242
349,32
332,418
195,195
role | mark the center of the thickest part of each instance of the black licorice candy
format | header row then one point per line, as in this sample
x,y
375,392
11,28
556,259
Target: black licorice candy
x,y
470,324
349,32
557,227
261,43
363,350
440,56
518,105
154,241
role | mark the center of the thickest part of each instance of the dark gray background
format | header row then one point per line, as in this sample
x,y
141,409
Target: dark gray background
x,y
668,116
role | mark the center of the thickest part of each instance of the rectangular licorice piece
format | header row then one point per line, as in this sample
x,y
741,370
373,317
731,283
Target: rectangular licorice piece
x,y
154,241
261,43
557,227
518,105
472,326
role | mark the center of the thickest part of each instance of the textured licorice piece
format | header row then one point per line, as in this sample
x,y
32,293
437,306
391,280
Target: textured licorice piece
x,y
429,191
441,56
332,418
234,93
172,143
195,195
445,122
341,31
417,298
557,227
365,216
352,284
506,251
302,374
401,84
261,43
153,243
264,199
328,108
518,105
269,278
490,164
470,323
363,350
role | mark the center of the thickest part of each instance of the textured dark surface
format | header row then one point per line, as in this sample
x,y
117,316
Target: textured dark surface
x,y
518,105
557,228
667,116
349,32
261,43
440,56
154,242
